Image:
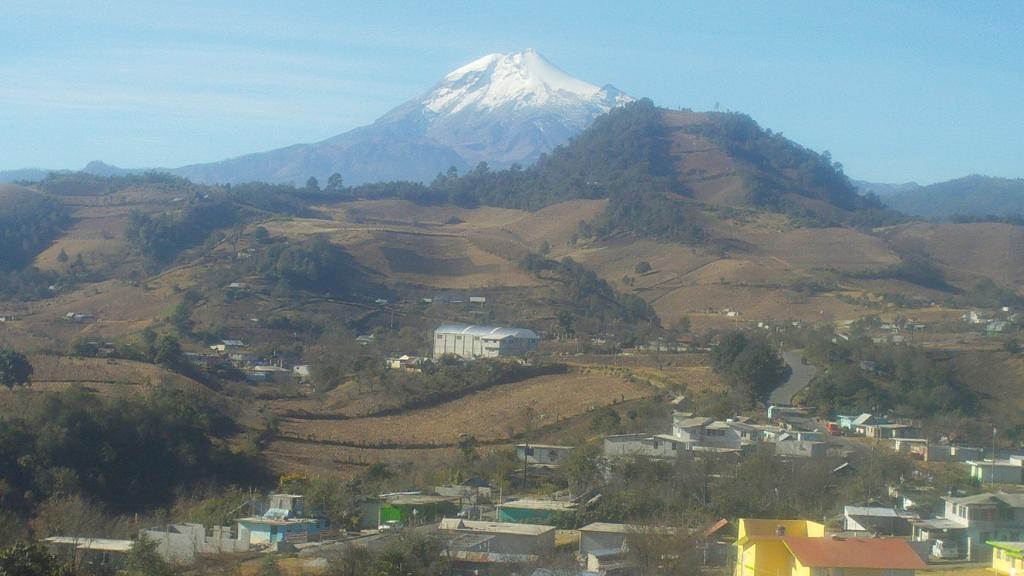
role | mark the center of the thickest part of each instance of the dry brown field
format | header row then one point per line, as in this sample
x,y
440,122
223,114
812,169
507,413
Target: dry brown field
x,y
494,414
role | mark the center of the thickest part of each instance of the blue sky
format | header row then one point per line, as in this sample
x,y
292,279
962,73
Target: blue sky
x,y
922,91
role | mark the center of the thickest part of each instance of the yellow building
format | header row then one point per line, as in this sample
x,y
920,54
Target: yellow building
x,y
1008,558
801,548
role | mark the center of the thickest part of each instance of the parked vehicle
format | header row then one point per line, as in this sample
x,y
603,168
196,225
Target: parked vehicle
x,y
945,550
390,526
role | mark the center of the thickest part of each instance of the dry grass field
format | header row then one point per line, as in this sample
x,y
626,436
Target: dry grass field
x,y
287,455
969,251
998,378
494,414
99,376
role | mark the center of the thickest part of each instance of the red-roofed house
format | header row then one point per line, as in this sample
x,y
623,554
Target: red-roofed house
x,y
800,548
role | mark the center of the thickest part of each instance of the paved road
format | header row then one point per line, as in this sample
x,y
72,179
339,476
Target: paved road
x,y
800,375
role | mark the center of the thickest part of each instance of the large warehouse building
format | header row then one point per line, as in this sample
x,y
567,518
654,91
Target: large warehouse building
x,y
468,341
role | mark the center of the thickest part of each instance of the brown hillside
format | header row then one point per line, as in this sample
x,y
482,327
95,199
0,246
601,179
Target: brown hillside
x,y
969,251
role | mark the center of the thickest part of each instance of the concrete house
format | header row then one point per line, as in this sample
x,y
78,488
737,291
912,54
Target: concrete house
x,y
469,341
704,431
413,508
543,454
660,446
183,543
604,546
1001,471
971,521
923,449
95,553
604,536
875,520
474,545
284,520
801,449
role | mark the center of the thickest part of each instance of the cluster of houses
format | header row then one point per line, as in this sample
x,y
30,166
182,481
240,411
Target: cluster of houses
x,y
482,533
692,433
236,354
282,522
1001,321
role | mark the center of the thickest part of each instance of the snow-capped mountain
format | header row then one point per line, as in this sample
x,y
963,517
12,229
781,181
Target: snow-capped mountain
x,y
501,109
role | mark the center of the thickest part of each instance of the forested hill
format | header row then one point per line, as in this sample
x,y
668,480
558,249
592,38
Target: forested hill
x,y
972,196
659,168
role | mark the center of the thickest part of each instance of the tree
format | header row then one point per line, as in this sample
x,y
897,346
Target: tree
x,y
168,351
565,322
261,234
1012,346
642,267
545,248
62,257
467,447
682,325
313,185
30,560
15,369
334,184
143,559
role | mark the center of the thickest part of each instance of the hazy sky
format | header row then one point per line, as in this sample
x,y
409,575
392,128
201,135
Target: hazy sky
x,y
922,91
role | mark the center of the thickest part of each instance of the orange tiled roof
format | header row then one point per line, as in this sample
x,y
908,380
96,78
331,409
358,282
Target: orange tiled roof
x,y
879,553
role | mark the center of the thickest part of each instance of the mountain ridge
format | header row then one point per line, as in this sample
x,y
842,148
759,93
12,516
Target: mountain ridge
x,y
974,196
502,109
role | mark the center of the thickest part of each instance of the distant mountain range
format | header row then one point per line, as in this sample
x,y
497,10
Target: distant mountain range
x,y
502,109
975,196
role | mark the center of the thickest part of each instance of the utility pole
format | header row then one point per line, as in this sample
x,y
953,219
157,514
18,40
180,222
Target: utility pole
x,y
992,480
526,456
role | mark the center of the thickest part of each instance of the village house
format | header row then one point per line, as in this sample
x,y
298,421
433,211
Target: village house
x,y
99,554
469,341
181,544
284,520
877,520
800,449
408,508
530,511
543,454
1000,471
659,446
801,548
473,491
970,521
475,545
925,450
406,362
704,431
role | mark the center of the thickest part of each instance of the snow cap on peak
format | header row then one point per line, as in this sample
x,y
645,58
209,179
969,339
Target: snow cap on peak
x,y
520,80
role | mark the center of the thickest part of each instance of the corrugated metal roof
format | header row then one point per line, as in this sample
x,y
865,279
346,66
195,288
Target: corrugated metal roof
x,y
494,527
1010,499
877,511
495,332
101,544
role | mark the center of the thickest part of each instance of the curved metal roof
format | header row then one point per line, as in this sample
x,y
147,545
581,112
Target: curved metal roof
x,y
495,332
